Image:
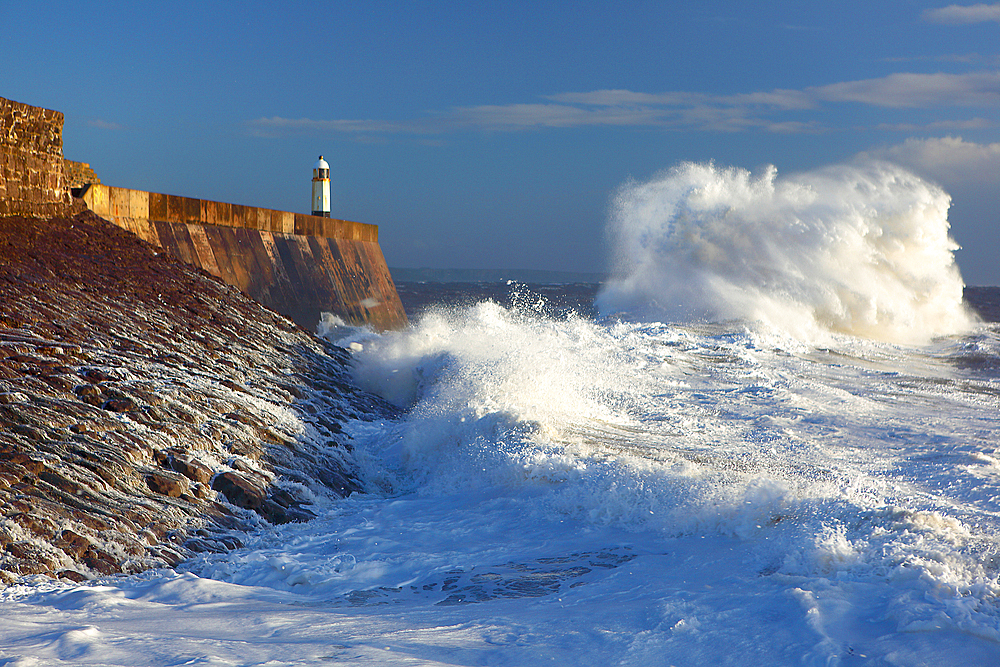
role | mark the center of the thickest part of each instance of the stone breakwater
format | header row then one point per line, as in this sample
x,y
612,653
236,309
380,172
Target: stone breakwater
x,y
298,265
149,411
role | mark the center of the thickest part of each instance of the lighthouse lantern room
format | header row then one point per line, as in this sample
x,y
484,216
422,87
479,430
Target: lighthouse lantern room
x,y
321,188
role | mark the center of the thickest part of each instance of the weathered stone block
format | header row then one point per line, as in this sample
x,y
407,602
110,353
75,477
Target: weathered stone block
x,y
224,214
192,209
239,215
138,203
157,207
175,208
118,199
97,199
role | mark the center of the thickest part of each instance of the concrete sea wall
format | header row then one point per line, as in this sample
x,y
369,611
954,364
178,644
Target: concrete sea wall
x,y
297,265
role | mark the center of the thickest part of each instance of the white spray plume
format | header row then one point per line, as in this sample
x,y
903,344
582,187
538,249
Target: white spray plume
x,y
858,249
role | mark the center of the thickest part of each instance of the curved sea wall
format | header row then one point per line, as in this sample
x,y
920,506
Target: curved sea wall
x,y
297,265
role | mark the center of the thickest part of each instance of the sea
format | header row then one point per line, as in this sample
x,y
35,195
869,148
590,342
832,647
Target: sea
x,y
771,437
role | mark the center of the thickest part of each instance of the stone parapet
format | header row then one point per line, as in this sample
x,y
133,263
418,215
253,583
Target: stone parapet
x,y
113,203
31,161
77,175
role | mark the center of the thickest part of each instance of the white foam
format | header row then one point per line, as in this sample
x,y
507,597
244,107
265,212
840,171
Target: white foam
x,y
861,249
567,491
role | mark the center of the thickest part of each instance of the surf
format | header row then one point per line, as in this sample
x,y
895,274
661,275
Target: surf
x,y
861,249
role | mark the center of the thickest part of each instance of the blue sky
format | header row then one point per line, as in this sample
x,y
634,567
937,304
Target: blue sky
x,y
493,134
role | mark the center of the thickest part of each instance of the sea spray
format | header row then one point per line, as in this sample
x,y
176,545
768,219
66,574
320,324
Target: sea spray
x,y
859,249
621,417
682,492
486,374
668,431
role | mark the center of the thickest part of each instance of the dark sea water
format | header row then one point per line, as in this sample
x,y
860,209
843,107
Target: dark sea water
x,y
985,301
557,299
546,298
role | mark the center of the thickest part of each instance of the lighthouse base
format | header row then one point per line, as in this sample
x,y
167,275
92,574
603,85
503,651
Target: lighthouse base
x,y
322,214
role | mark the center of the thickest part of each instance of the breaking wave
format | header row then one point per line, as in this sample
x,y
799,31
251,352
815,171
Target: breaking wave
x,y
860,249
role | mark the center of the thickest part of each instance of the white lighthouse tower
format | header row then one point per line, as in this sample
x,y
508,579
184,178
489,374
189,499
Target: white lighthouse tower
x,y
321,188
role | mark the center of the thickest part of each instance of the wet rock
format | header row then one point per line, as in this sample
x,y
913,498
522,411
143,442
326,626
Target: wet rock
x,y
202,491
248,469
167,483
339,481
126,380
120,404
63,483
61,381
240,490
28,431
97,375
26,463
199,544
33,558
90,394
192,469
72,543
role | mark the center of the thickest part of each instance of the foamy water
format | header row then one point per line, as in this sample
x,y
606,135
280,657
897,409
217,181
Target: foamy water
x,y
758,484
860,249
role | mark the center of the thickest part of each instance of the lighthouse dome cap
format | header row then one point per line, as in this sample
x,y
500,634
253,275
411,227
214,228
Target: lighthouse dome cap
x,y
321,164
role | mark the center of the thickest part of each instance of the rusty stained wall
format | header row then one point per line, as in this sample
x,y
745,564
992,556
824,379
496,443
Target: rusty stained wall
x,y
297,265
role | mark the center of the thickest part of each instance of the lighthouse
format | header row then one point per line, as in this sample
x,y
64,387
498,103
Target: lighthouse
x,y
321,188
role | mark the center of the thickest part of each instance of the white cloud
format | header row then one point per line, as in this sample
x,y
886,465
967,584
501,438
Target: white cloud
x,y
775,99
679,110
963,14
950,160
630,98
348,126
522,116
105,125
485,117
917,90
967,124
960,58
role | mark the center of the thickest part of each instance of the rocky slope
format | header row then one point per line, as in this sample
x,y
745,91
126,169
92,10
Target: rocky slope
x,y
148,411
